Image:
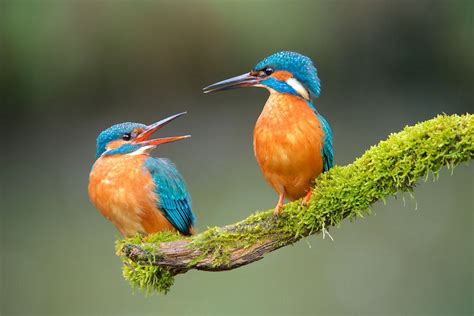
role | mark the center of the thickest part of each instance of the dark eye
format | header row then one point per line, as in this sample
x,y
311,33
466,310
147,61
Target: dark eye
x,y
127,136
268,71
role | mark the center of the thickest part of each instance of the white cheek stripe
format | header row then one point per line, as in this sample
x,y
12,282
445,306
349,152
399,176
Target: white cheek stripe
x,y
141,150
298,87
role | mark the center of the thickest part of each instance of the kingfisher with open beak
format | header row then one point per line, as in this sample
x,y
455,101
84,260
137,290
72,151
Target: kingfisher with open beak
x,y
139,194
292,141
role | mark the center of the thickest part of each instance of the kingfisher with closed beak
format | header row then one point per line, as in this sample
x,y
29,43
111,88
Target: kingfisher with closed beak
x,y
139,194
292,141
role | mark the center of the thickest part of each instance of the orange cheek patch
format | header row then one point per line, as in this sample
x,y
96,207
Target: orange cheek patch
x,y
282,75
115,144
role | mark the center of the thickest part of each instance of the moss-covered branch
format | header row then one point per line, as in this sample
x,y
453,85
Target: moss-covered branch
x,y
392,166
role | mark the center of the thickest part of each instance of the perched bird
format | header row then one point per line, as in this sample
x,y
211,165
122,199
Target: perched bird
x,y
292,141
139,194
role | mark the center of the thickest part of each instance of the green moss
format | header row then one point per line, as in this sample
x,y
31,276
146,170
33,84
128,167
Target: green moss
x,y
394,165
147,277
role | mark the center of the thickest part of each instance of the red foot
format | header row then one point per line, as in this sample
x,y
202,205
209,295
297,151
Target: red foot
x,y
307,197
279,205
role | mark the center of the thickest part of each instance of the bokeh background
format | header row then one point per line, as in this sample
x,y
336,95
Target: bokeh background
x,y
72,68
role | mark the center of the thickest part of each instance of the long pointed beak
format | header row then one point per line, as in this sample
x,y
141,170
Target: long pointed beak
x,y
245,80
143,138
164,140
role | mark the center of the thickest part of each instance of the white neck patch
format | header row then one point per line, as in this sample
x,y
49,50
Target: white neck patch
x,y
298,87
141,150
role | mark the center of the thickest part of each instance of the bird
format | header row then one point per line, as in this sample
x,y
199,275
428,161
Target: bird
x,y
138,193
292,141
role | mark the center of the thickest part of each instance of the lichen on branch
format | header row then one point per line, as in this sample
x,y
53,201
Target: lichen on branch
x,y
392,166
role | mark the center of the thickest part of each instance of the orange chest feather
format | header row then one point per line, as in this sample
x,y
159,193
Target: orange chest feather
x,y
287,123
123,191
287,141
120,178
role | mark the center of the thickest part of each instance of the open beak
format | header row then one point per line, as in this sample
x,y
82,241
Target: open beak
x,y
143,138
245,80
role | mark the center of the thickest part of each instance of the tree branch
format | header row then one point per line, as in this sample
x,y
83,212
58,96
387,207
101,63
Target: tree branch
x,y
392,166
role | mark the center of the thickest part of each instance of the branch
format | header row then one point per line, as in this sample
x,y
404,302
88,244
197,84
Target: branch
x,y
394,165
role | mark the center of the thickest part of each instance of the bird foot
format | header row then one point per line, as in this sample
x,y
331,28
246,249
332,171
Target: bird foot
x,y
307,198
279,206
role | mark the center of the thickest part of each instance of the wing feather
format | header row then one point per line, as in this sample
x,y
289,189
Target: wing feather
x,y
173,198
328,151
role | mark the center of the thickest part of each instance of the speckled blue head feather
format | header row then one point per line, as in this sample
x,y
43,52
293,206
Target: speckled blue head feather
x,y
299,65
114,132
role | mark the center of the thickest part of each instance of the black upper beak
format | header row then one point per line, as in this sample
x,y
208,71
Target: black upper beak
x,y
245,80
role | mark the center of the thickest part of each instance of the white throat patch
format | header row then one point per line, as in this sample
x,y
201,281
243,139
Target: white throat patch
x,y
141,150
298,87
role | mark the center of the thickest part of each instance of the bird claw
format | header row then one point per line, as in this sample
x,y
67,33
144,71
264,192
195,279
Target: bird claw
x,y
277,211
279,206
307,198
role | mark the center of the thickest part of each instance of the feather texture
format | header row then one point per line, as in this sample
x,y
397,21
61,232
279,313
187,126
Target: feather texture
x,y
123,192
288,144
328,151
173,198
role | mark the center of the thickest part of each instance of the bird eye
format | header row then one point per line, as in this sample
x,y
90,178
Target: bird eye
x,y
127,136
268,71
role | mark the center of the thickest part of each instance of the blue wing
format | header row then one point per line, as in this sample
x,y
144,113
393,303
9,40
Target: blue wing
x,y
328,151
174,200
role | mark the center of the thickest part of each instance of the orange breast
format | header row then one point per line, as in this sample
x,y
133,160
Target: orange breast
x,y
123,191
287,141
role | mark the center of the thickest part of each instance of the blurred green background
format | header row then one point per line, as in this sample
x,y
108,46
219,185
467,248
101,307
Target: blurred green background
x,y
72,68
